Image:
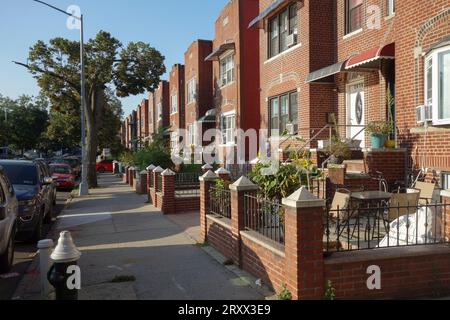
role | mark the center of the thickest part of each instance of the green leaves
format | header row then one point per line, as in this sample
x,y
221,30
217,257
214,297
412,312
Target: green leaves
x,y
139,68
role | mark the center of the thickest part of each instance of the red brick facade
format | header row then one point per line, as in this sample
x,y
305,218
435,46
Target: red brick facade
x,y
198,71
177,99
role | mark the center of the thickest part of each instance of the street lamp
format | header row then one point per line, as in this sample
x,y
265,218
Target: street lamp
x,y
84,187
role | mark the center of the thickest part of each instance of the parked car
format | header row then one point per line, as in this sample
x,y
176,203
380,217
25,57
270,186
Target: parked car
x,y
32,188
105,166
75,163
51,186
63,176
8,222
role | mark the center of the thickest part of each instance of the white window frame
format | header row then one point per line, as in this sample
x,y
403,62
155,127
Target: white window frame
x,y
159,111
191,90
192,132
390,8
228,133
433,56
227,75
174,103
445,180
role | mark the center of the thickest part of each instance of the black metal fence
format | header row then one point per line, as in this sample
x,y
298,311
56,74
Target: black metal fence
x,y
265,217
220,202
151,182
384,225
159,183
187,180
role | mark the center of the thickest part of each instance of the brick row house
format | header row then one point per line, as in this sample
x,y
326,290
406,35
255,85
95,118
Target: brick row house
x,y
235,76
177,101
303,67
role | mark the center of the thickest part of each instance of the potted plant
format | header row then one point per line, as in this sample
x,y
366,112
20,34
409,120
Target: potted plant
x,y
338,151
390,102
378,131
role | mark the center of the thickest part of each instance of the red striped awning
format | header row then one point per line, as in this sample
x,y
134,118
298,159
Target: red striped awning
x,y
386,52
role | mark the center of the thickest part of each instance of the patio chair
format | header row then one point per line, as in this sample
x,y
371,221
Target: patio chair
x,y
426,192
402,204
340,210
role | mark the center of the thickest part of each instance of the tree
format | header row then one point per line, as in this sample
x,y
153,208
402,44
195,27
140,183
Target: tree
x,y
27,120
132,70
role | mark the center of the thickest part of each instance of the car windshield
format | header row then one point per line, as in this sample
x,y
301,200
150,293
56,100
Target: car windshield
x,y
59,169
21,174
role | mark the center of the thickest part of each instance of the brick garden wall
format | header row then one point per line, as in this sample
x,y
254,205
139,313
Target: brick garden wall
x,y
219,235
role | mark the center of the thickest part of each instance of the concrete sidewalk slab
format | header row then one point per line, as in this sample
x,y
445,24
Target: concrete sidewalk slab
x,y
119,234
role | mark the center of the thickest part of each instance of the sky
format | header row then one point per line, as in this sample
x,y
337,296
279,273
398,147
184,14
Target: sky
x,y
168,25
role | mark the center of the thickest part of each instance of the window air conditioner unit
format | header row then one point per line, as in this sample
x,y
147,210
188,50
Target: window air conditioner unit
x,y
424,114
291,129
291,40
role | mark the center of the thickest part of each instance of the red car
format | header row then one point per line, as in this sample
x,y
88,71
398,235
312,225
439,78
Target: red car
x,y
105,166
63,175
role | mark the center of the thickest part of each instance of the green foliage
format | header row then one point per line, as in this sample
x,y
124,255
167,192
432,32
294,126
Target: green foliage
x,y
285,294
377,128
157,153
26,121
127,158
330,292
390,103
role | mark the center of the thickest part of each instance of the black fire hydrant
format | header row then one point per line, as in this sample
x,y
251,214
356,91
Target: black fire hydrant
x,y
65,275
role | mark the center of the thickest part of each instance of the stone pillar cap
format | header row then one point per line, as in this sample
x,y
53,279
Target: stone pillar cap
x,y
158,170
222,171
243,184
143,172
65,251
209,176
302,198
207,167
254,161
168,172
151,168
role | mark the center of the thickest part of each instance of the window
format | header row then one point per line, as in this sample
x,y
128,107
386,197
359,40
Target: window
x,y
191,91
390,7
159,111
445,180
192,134
227,69
228,127
354,15
173,140
174,104
283,30
437,82
283,110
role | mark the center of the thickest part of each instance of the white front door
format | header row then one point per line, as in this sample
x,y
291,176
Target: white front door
x,y
356,114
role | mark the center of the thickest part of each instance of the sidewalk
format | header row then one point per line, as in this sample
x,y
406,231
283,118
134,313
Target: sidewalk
x,y
120,235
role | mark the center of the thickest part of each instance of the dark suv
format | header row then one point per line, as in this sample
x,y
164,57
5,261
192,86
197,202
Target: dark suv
x,y
8,222
33,191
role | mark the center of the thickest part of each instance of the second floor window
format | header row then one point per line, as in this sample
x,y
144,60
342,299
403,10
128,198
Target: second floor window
x,y
191,89
354,10
283,110
283,30
159,111
191,134
174,104
227,70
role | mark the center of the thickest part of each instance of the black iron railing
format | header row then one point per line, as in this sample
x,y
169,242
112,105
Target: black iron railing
x,y
159,184
265,217
187,180
384,225
151,182
220,202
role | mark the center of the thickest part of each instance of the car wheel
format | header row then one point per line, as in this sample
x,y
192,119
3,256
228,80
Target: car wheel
x,y
49,217
38,232
7,258
101,170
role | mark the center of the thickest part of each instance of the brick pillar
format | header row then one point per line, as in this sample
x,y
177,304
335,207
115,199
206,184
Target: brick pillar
x,y
206,182
156,173
238,191
337,173
126,176
131,176
304,245
206,168
144,186
168,191
150,169
223,174
445,199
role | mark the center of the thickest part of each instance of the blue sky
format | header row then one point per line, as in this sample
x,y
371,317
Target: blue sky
x,y
168,25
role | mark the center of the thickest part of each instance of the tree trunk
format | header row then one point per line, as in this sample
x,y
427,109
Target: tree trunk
x,y
94,103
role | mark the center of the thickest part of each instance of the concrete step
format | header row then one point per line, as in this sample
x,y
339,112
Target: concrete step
x,y
356,166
